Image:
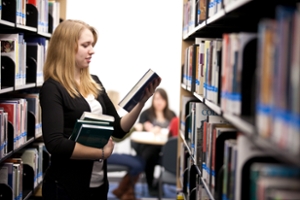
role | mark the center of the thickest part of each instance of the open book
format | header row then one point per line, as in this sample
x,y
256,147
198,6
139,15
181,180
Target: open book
x,y
137,92
93,130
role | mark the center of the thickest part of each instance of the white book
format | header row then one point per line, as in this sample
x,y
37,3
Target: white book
x,y
93,117
30,157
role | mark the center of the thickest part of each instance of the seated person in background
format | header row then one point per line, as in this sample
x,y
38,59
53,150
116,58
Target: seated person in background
x,y
153,119
125,189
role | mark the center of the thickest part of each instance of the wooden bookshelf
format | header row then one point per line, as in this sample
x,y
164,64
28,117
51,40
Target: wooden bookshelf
x,y
63,9
232,18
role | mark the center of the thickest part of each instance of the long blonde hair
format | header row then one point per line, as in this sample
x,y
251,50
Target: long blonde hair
x,y
60,60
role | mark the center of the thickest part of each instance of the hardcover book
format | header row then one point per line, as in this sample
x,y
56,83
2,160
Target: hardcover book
x,y
137,92
93,130
88,116
92,135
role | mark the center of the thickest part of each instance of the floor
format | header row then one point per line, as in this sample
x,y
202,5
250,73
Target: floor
x,y
141,191
141,187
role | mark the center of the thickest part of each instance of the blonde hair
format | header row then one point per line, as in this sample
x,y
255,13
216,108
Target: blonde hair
x,y
60,60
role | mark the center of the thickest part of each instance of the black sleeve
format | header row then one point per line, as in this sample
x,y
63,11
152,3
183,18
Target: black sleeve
x,y
53,114
111,110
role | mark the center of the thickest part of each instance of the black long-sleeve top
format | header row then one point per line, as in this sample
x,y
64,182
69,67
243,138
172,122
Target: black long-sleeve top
x,y
145,116
59,114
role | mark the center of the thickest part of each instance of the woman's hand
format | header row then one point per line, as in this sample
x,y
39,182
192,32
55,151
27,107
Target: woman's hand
x,y
148,126
156,130
150,90
108,148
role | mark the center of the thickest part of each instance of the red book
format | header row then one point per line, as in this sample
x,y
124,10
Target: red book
x,y
33,2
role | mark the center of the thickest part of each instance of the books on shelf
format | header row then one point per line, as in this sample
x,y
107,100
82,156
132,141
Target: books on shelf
x,y
137,92
93,130
262,170
277,96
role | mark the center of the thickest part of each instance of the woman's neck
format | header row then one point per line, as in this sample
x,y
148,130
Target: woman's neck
x,y
77,76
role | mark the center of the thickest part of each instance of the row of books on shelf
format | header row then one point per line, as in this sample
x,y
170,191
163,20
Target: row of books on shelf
x,y
20,48
253,74
13,171
230,164
14,113
44,8
197,11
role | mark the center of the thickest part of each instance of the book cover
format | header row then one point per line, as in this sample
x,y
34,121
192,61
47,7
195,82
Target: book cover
x,y
214,127
201,66
92,135
225,68
137,92
222,134
227,166
81,122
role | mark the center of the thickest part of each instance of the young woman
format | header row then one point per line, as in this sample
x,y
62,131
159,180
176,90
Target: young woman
x,y
154,119
76,171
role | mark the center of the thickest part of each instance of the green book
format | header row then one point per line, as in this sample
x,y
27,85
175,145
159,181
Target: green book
x,y
80,122
93,130
93,135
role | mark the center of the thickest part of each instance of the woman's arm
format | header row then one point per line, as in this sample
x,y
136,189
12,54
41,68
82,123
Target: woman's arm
x,y
84,152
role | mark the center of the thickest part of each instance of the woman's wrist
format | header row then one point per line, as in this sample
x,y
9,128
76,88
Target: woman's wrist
x,y
102,157
141,103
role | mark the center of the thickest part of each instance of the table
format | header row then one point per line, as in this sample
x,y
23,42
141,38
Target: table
x,y
149,137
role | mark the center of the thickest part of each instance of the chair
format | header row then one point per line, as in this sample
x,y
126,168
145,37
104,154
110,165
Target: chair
x,y
169,163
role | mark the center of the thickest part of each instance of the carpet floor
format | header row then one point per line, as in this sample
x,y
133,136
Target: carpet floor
x,y
141,190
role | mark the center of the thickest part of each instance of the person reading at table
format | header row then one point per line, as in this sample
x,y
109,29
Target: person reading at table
x,y
154,119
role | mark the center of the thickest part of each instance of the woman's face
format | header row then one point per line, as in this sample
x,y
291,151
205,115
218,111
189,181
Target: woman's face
x,y
85,49
158,102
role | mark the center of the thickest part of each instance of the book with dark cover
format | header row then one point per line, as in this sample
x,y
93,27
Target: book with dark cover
x,y
137,92
93,130
91,135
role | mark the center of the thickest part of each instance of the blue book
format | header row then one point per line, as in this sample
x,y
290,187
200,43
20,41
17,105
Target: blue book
x,y
136,93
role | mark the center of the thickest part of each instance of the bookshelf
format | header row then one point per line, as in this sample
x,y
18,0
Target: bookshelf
x,y
17,78
229,17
